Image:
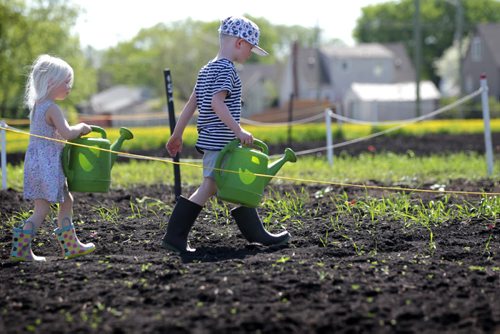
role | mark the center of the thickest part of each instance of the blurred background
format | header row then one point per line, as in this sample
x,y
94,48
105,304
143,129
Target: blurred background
x,y
372,61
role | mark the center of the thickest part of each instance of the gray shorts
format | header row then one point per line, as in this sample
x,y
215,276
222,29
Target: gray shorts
x,y
209,159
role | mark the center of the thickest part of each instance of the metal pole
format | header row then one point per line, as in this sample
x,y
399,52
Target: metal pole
x,y
486,119
171,117
290,120
459,35
417,32
4,154
329,141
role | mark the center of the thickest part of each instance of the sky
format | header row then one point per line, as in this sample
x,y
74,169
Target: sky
x,y
103,23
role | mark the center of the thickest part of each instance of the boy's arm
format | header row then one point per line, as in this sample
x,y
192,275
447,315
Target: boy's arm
x,y
174,144
222,111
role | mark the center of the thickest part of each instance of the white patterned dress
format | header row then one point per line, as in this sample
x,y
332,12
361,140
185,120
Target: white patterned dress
x,y
43,173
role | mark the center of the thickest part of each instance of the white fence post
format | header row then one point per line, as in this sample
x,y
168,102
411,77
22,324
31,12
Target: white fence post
x,y
3,141
329,140
486,119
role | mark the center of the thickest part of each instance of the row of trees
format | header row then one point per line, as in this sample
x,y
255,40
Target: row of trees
x,y
28,31
44,26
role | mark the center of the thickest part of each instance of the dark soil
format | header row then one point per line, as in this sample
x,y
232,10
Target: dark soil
x,y
369,277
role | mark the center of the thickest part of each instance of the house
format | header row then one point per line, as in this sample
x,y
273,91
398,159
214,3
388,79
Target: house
x,y
260,86
331,72
121,106
389,102
483,56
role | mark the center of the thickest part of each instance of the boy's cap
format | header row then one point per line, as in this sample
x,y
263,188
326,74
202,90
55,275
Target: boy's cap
x,y
242,27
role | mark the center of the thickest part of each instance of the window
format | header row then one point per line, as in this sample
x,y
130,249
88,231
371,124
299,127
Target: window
x,y
476,54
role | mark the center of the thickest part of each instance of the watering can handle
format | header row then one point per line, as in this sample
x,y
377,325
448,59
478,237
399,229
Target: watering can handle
x,y
259,144
100,130
65,159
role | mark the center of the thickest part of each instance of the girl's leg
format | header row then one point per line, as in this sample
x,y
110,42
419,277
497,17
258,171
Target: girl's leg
x,y
23,236
66,235
65,209
42,209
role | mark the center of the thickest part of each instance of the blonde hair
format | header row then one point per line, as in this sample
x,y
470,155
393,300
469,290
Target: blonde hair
x,y
46,73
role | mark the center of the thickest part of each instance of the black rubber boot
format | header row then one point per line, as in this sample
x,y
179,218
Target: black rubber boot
x,y
180,223
251,227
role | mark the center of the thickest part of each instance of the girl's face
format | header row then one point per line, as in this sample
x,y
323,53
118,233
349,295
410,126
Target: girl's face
x,y
62,90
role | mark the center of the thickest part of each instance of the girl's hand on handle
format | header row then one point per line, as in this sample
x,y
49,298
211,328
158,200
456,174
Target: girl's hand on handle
x,y
245,137
84,129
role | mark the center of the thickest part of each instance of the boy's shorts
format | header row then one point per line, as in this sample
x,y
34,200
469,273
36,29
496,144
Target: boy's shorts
x,y
209,159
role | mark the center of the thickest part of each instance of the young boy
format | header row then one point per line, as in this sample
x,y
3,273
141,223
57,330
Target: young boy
x,y
217,96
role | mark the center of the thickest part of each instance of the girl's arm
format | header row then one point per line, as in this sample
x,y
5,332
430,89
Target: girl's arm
x,y
55,118
174,144
225,116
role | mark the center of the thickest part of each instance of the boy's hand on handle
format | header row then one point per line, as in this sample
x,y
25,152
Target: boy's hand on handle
x,y
245,137
174,146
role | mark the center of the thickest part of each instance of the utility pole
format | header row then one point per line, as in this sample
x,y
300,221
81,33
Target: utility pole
x,y
458,35
417,39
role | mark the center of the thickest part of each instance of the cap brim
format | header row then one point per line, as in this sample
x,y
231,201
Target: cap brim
x,y
259,51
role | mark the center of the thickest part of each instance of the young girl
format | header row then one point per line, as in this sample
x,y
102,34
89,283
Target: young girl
x,y
51,79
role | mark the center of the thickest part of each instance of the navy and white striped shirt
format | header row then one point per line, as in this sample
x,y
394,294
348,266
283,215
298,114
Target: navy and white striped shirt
x,y
216,76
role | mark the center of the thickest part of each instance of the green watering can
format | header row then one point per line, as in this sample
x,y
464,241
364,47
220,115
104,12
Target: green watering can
x,y
89,169
241,185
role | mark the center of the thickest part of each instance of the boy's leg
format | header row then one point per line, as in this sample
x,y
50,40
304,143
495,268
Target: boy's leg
x,y
187,210
207,189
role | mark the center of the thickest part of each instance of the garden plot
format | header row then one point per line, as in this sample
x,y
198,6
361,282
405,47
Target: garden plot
x,y
358,261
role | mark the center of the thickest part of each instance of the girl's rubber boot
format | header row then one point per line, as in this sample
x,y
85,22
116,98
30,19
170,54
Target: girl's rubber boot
x,y
251,227
21,243
70,245
182,219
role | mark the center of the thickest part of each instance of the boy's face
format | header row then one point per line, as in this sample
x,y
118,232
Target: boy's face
x,y
245,50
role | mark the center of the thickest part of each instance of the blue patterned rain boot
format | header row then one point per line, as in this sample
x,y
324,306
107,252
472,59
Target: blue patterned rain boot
x,y
70,245
21,243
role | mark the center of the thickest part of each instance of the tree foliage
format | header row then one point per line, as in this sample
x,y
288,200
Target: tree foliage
x,y
394,22
26,31
184,47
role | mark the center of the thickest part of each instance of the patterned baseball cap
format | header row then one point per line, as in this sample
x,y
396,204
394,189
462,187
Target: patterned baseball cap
x,y
242,27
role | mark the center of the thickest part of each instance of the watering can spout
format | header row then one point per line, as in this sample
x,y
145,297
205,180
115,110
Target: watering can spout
x,y
125,134
273,168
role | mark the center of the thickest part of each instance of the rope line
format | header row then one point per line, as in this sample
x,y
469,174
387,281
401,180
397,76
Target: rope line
x,y
412,120
380,133
300,121
303,180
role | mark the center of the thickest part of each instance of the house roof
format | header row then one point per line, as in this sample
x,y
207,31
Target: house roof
x,y
403,91
491,36
404,70
366,50
116,98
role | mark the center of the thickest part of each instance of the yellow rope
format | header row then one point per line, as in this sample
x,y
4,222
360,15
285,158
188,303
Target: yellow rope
x,y
347,185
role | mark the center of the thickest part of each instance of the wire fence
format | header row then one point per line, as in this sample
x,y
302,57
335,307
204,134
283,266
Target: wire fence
x,y
328,114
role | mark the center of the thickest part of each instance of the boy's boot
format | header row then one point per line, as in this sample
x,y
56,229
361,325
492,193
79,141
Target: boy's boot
x,y
251,227
182,219
21,243
70,245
